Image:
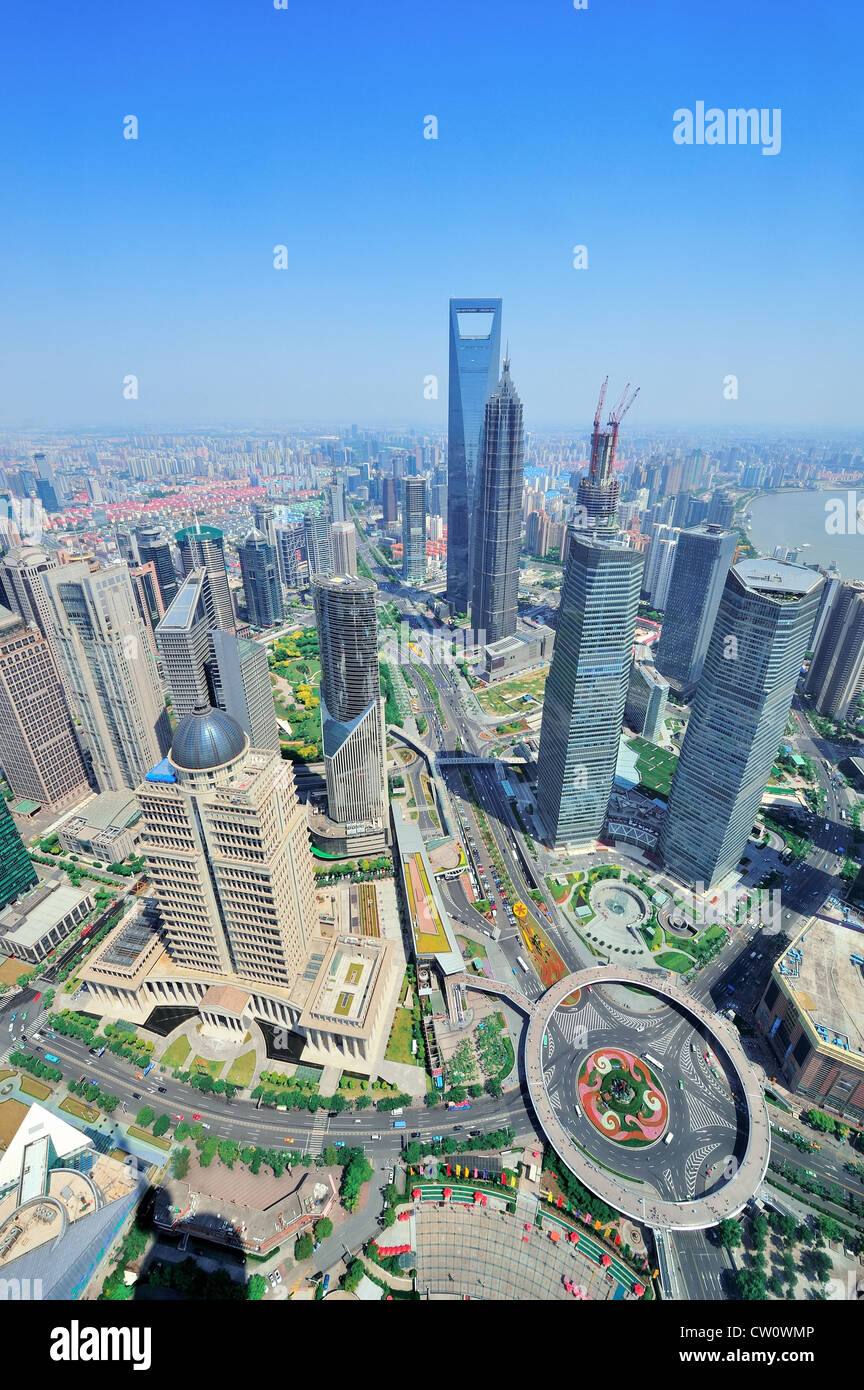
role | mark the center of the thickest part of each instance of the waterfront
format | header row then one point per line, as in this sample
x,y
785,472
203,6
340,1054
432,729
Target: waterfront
x,y
799,519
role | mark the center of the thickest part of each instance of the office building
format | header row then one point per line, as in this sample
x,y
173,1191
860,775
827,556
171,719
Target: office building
x,y
659,563
183,641
702,559
263,520
205,545
154,547
647,693
239,678
497,519
343,548
108,671
721,508
22,586
336,501
33,927
227,851
389,501
352,710
316,543
39,752
738,717
289,551
586,691
475,350
836,674
148,597
16,871
106,828
414,530
261,584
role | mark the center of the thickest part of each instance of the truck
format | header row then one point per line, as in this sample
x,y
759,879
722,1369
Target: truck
x,y
458,1105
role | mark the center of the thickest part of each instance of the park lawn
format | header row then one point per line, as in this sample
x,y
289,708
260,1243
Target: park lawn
x,y
472,948
508,697
713,933
77,1107
199,1064
135,1132
177,1053
655,765
399,1042
31,1087
674,960
242,1069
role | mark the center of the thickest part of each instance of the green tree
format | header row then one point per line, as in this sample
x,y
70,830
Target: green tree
x,y
303,1247
750,1284
323,1228
493,1086
256,1288
161,1125
819,1120
729,1233
145,1117
180,1163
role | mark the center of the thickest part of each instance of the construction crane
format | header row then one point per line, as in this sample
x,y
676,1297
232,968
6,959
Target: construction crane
x,y
605,443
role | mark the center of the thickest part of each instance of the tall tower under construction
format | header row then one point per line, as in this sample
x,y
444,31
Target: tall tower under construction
x,y
598,493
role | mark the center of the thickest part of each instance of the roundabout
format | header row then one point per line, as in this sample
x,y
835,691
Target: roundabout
x,y
647,1097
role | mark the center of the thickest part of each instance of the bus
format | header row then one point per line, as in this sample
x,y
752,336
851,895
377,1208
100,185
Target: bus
x,y
521,962
148,1068
652,1061
49,1057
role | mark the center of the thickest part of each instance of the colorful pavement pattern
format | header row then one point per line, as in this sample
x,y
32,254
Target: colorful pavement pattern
x,y
622,1097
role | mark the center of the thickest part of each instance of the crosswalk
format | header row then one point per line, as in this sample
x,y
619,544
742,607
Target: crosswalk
x,y
316,1141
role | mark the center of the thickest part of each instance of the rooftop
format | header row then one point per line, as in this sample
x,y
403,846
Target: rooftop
x,y
205,739
776,577
34,915
827,985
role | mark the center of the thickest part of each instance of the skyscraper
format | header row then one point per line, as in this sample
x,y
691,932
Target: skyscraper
x,y
16,871
389,501
414,530
646,696
148,596
598,493
39,753
702,559
22,587
343,547
352,710
497,516
586,691
239,677
261,583
739,715
263,521
108,671
316,542
836,675
227,852
289,545
475,350
336,500
183,641
205,545
154,547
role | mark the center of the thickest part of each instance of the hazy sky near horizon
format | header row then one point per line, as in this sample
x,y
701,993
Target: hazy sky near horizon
x,y
304,127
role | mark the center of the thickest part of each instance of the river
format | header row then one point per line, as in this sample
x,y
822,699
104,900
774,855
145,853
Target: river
x,y
793,519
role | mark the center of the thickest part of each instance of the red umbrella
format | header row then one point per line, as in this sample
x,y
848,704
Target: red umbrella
x,y
528,1226
574,1236
415,1195
638,1290
560,1201
617,1237
448,1193
605,1261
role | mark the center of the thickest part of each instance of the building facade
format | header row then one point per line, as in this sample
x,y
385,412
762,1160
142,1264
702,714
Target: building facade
x,y
205,546
702,560
647,693
497,515
475,352
343,548
17,874
586,691
738,718
261,583
154,548
836,674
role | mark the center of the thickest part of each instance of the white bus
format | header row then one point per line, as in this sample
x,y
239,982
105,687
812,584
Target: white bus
x,y
521,962
652,1061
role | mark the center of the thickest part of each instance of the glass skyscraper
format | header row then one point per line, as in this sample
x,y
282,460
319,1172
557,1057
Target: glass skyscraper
x,y
205,545
414,530
261,584
475,350
498,519
702,559
583,709
764,621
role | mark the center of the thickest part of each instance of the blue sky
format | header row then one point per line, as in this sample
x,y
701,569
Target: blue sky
x,y
304,127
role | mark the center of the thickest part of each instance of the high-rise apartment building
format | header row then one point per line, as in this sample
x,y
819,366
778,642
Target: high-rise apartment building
x,y
352,710
263,520
336,501
39,753
497,517
836,675
205,545
108,671
17,873
154,548
343,547
586,691
414,530
721,508
227,852
702,559
475,351
738,717
261,583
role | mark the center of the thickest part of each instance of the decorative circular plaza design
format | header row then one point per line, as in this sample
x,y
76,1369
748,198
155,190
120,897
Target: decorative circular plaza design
x,y
618,903
635,1192
622,1097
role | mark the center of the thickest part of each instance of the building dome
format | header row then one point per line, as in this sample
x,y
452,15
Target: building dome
x,y
205,739
255,537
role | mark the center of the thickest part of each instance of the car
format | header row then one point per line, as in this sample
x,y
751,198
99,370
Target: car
x,y
178,1117
37,997
278,1276
415,1134
24,1015
455,1127
161,1090
14,1016
196,1116
272,1277
374,1136
136,1095
339,1144
436,1138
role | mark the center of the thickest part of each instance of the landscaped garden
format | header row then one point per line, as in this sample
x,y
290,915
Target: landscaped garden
x,y
177,1053
242,1069
622,1097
